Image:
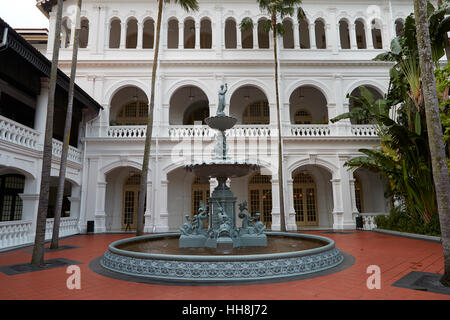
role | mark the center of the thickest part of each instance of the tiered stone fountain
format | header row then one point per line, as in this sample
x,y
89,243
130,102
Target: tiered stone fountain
x,y
222,252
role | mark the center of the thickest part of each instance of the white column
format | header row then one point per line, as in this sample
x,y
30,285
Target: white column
x,y
197,35
72,32
255,35
312,35
331,34
353,196
181,35
123,35
369,40
343,211
296,32
51,34
140,27
337,204
107,35
75,198
100,35
238,37
40,115
148,225
100,215
352,30
291,224
162,217
276,226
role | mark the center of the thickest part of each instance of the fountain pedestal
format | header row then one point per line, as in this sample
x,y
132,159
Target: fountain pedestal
x,y
222,232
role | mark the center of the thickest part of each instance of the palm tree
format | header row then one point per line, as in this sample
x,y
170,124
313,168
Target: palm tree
x,y
435,136
37,258
188,5
66,139
277,9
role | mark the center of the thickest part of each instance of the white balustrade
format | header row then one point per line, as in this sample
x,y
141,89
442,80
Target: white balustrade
x,y
191,132
310,130
369,220
364,130
19,134
126,131
67,226
245,131
74,154
15,233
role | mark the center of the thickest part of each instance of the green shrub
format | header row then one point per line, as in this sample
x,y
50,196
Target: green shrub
x,y
399,221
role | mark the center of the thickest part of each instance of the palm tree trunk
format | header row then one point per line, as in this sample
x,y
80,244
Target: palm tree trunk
x,y
434,128
37,258
66,139
280,146
148,138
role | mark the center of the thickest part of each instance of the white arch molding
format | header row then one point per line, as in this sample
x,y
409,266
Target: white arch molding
x,y
203,86
317,161
122,164
122,84
252,83
321,86
378,86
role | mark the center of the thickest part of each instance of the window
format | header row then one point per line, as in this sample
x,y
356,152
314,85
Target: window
x,y
114,34
260,197
84,33
230,34
172,34
205,34
11,185
189,34
257,113
288,36
302,117
305,199
134,113
148,34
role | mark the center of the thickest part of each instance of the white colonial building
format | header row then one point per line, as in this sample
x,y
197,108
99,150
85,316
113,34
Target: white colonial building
x,y
322,59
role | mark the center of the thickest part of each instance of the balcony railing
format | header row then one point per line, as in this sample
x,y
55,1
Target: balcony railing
x,y
73,155
245,131
15,233
18,134
67,227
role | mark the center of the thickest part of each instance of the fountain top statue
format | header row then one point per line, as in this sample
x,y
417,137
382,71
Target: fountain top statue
x,y
221,105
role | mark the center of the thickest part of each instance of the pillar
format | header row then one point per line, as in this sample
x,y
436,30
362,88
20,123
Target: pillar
x,y
148,222
197,35
276,226
312,35
162,215
296,32
369,40
100,215
291,224
123,35
181,35
140,27
238,37
353,44
255,35
40,115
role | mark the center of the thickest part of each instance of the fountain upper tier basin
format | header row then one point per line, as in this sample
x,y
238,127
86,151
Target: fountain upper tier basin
x,y
222,168
162,260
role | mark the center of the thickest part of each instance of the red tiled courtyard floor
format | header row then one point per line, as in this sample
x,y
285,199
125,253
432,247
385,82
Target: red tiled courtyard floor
x,y
396,256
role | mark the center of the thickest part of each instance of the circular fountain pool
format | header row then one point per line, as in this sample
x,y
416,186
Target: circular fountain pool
x,y
158,257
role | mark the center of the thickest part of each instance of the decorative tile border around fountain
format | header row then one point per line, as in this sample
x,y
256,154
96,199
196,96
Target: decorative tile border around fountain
x,y
226,268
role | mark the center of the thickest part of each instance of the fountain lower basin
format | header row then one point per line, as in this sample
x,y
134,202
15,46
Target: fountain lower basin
x,y
259,263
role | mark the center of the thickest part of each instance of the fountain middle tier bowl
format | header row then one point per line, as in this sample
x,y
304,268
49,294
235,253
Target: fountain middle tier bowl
x,y
158,257
221,123
222,168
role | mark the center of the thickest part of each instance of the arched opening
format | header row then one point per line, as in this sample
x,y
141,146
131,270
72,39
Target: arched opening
x,y
196,112
312,197
321,41
263,36
200,191
181,185
260,197
129,106
122,198
131,38
188,104
308,105
84,33
359,195
11,206
205,34
114,33
247,38
399,26
288,36
377,38
65,208
250,106
369,192
360,34
305,199
353,103
344,34
189,33
230,34
66,32
172,34
148,35
303,26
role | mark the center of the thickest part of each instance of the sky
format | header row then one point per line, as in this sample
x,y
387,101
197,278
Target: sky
x,y
22,14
